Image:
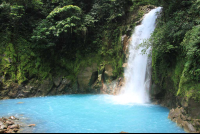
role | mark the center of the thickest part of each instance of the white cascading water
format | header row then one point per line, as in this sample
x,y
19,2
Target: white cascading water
x,y
137,75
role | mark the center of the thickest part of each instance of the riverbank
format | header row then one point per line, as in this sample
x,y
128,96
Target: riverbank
x,y
184,114
89,114
15,125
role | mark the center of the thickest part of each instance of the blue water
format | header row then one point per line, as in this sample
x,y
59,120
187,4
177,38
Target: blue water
x,y
89,114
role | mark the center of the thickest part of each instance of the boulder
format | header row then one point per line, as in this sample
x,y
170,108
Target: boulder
x,y
13,118
31,125
188,127
84,77
10,131
57,80
4,119
9,122
175,113
3,126
20,102
14,126
45,88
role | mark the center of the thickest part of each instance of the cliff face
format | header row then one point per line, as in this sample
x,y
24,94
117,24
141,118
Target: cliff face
x,y
99,73
175,61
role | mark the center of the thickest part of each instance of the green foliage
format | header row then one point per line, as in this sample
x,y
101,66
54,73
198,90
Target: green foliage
x,y
175,44
41,38
60,20
192,49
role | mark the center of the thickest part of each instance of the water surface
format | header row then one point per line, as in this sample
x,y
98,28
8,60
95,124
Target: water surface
x,y
89,114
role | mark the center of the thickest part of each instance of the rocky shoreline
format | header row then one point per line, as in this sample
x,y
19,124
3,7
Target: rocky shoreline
x,y
15,125
9,125
181,115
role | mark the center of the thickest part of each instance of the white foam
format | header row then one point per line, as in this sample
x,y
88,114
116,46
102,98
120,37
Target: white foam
x,y
137,75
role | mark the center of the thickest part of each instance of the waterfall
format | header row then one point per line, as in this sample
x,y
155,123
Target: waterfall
x,y
137,73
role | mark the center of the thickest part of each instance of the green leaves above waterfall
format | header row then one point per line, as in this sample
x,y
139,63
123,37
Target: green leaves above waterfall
x,y
41,38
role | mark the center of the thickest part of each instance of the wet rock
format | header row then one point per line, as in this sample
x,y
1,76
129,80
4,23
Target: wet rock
x,y
12,118
10,131
119,85
175,113
3,121
2,131
178,115
3,126
20,102
31,125
15,130
188,127
9,126
9,122
14,126
171,114
123,132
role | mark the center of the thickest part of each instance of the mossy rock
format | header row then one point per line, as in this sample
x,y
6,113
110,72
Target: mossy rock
x,y
85,77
